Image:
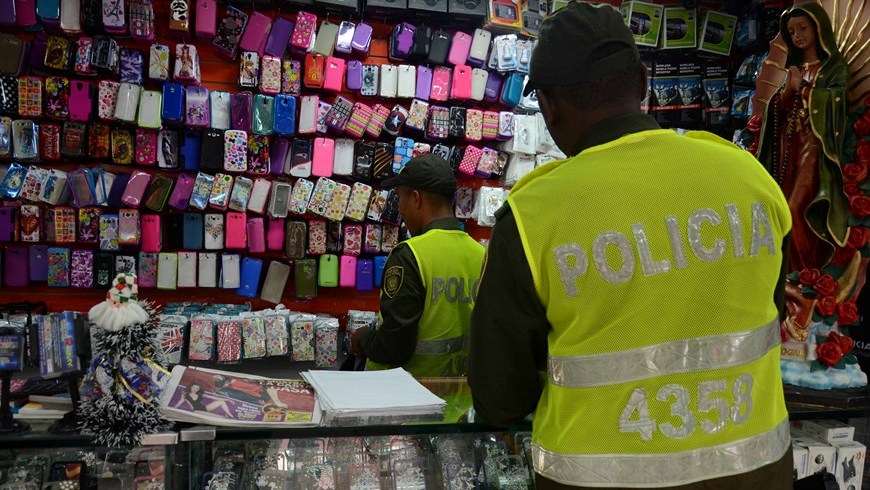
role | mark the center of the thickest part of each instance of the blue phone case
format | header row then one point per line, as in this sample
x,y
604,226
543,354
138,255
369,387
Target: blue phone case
x,y
365,275
48,10
190,150
119,185
402,153
380,262
192,231
512,89
173,103
285,115
250,277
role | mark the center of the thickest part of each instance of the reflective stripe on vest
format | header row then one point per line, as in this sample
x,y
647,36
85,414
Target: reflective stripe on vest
x,y
678,356
656,470
442,346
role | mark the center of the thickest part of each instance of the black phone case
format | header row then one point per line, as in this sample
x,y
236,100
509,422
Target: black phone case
x,y
174,232
104,269
364,155
422,39
334,241
383,166
439,48
212,155
457,122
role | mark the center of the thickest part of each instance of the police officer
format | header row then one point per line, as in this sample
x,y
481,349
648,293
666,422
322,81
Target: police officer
x,y
640,275
429,280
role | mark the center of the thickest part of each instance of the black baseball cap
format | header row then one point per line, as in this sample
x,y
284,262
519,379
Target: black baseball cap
x,y
429,173
568,46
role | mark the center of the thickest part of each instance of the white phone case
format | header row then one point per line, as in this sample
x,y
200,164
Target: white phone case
x,y
207,270
214,231
308,114
407,84
128,102
389,81
187,269
259,195
70,18
149,109
479,78
342,162
158,62
480,45
220,109
167,270
230,271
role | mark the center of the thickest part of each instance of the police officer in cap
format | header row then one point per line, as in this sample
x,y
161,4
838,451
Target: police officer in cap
x,y
643,275
429,280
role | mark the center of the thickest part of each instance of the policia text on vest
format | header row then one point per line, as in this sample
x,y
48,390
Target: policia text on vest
x,y
454,289
572,260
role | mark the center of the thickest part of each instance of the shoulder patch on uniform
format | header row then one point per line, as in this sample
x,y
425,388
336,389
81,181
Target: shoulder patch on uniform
x,y
393,278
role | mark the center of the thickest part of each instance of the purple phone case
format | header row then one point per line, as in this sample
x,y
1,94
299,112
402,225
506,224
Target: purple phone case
x,y
16,267
278,151
241,110
37,51
365,274
182,191
279,36
362,38
38,263
424,82
493,87
405,40
118,187
354,75
7,223
7,14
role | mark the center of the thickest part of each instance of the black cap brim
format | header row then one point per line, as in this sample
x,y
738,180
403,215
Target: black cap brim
x,y
390,182
529,88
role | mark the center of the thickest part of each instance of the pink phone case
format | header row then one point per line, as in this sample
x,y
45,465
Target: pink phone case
x,y
80,101
206,18
347,272
275,235
235,231
303,32
459,48
461,88
256,235
334,74
181,193
151,239
323,158
440,84
256,32
135,189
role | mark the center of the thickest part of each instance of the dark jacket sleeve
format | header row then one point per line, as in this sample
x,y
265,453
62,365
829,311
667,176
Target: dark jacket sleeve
x,y
509,330
394,341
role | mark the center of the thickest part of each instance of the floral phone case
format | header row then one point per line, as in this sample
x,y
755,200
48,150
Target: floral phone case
x,y
201,191
235,150
241,194
291,77
270,75
229,32
57,97
321,196
373,234
338,202
390,238
220,192
146,147
84,47
473,125
301,196
197,107
258,154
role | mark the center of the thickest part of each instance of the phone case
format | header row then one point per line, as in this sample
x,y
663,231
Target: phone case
x,y
30,223
315,65
149,112
135,189
180,196
235,150
459,48
389,81
305,279
317,237
255,34
229,33
291,77
58,267
470,160
285,115
473,125
192,237
58,53
479,49
249,69
378,120
279,155
57,92
259,195
251,269
129,228
99,141
219,109
236,231
220,192
146,147
122,147
333,236
197,107
241,111
206,18
128,102
308,114
187,270
270,75
353,238
107,99
347,274
441,77
264,114
479,78
25,136
321,196
420,48
131,66
82,64
279,37
372,241
70,21
338,202
106,54
343,156
74,139
423,84
370,80
438,48
358,202
255,235
30,97
167,270
187,69
165,148
258,154
364,155
461,86
301,196
359,119
439,123
407,81
512,90
327,272
189,155
403,151
114,16
80,101
383,161
418,114
214,232
302,39
241,193
489,126
280,199
401,41
158,192
396,119
323,157
49,140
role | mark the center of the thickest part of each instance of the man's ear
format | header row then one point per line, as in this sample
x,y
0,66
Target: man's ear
x,y
417,198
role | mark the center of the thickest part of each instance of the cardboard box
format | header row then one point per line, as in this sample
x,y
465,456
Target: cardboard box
x,y
681,28
850,464
717,96
820,455
718,32
691,93
799,455
830,431
645,21
665,103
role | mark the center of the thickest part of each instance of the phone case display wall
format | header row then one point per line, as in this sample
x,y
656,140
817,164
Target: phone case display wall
x,y
242,151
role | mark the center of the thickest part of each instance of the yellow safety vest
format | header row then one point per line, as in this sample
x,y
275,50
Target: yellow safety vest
x,y
450,262
664,351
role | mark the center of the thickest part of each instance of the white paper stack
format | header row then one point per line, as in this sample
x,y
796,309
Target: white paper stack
x,y
373,397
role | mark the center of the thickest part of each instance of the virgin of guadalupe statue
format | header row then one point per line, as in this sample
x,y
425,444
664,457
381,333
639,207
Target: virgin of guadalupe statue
x,y
801,137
